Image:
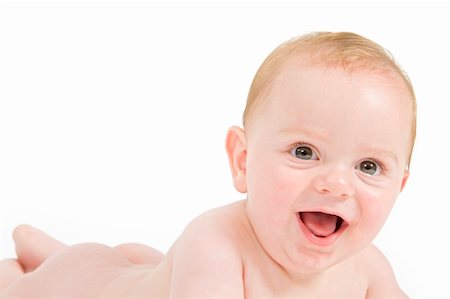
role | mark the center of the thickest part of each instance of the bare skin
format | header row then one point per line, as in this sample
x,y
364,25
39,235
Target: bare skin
x,y
315,157
42,260
46,268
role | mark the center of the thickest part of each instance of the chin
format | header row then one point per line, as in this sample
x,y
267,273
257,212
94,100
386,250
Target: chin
x,y
311,262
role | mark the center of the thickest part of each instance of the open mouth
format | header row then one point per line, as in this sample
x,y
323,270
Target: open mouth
x,y
322,228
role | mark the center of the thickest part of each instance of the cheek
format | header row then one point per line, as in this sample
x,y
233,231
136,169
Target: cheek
x,y
272,190
375,208
274,184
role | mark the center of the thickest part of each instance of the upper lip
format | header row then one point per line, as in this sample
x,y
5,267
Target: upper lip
x,y
330,212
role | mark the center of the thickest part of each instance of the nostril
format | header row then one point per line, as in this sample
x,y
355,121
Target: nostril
x,y
344,195
337,189
334,181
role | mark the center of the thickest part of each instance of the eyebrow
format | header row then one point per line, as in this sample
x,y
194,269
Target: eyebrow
x,y
303,131
381,152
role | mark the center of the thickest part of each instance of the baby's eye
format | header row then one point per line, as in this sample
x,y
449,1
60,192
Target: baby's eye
x,y
369,167
303,152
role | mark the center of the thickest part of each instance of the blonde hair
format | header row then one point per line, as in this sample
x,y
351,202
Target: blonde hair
x,y
345,50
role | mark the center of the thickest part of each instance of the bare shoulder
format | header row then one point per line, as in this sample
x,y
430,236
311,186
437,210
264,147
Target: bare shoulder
x,y
380,275
224,224
206,259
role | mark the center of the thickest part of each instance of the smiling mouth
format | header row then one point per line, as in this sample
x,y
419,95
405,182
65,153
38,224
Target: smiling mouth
x,y
322,225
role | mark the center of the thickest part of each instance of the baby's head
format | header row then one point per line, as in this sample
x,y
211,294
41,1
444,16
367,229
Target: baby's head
x,y
344,50
329,130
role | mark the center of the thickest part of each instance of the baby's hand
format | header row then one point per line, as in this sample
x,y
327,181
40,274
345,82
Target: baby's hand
x,y
46,268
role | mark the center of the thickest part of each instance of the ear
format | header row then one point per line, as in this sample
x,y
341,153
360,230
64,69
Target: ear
x,y
236,146
405,179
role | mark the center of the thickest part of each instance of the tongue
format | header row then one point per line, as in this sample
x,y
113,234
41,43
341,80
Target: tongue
x,y
320,224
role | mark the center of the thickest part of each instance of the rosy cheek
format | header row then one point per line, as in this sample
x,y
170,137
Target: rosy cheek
x,y
284,184
375,207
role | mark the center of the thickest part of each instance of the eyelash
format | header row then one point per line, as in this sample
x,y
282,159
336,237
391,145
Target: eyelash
x,y
378,162
298,144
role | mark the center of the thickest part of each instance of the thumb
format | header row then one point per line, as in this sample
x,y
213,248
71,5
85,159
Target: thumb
x,y
34,246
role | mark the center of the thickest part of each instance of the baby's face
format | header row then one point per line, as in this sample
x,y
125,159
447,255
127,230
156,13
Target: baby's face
x,y
326,159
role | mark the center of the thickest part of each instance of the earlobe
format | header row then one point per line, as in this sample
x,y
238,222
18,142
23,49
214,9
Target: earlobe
x,y
405,179
236,146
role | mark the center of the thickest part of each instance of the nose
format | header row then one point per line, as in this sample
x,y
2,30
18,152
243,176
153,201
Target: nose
x,y
336,182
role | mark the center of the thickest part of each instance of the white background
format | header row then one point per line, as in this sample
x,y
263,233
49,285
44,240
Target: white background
x,y
113,117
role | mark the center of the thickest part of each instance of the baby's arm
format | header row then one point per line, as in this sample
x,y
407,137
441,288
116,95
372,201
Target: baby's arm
x,y
382,282
206,262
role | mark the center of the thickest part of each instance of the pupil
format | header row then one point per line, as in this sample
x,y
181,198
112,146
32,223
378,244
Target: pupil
x,y
303,152
369,167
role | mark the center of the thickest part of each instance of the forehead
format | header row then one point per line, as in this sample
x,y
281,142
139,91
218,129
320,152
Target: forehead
x,y
331,88
338,103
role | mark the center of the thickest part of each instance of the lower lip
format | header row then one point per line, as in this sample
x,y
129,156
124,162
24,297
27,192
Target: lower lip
x,y
327,241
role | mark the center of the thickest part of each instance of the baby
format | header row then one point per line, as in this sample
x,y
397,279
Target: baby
x,y
328,134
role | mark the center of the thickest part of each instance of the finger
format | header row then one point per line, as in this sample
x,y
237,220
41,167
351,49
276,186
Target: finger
x,y
140,254
34,246
10,270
